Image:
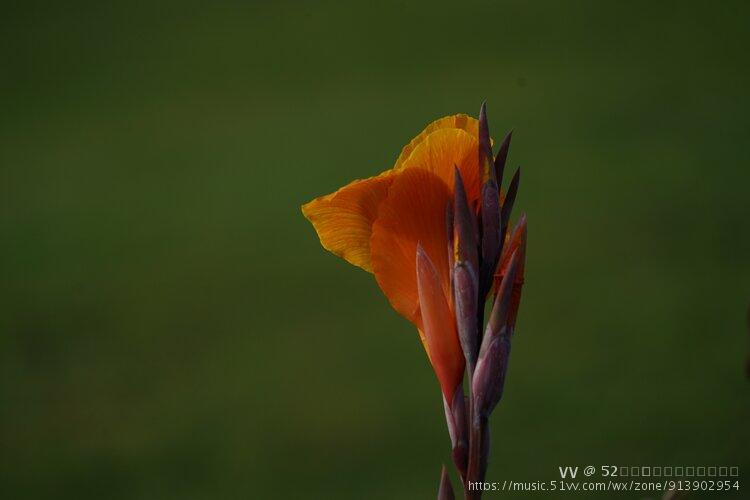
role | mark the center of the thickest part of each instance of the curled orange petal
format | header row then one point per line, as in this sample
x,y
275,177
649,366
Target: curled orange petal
x,y
343,220
459,121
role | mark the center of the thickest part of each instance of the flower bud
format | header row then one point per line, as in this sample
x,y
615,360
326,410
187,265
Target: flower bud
x,y
465,293
489,375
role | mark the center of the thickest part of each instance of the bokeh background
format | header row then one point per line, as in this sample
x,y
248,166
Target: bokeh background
x,y
171,328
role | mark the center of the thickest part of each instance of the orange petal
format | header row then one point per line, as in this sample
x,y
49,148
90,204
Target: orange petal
x,y
440,334
443,149
459,121
414,211
343,220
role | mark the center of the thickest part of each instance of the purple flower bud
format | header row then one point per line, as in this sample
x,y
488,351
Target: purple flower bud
x,y
465,293
485,146
492,243
501,307
489,375
464,225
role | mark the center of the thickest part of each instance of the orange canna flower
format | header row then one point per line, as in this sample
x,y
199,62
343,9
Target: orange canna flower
x,y
434,231
381,223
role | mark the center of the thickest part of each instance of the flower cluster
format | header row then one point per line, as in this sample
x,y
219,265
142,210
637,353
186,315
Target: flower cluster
x,y
435,232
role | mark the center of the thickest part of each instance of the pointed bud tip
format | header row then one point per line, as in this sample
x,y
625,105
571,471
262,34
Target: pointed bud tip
x,y
483,114
508,137
506,141
510,197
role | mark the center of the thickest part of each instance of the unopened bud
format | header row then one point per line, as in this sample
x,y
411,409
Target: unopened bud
x,y
465,291
489,376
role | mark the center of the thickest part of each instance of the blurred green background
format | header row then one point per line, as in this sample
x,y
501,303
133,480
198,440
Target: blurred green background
x,y
171,328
